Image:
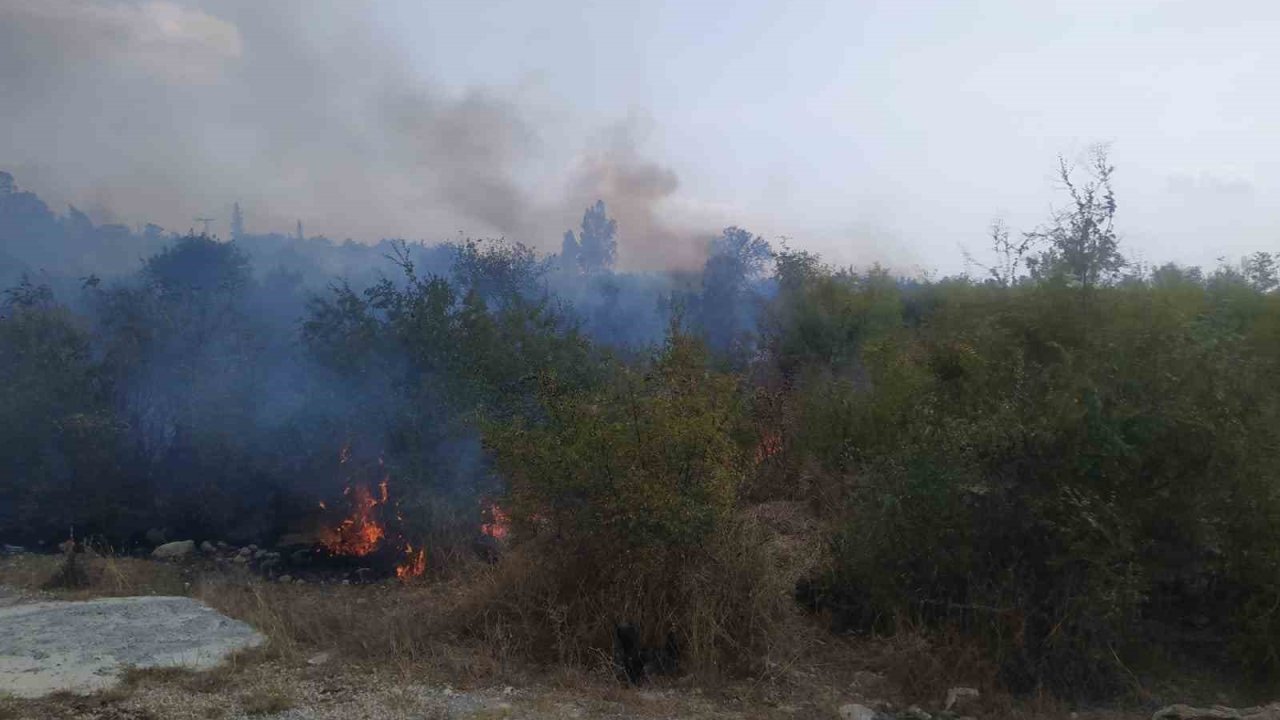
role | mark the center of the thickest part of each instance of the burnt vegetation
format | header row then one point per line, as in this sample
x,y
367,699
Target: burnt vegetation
x,y
1067,460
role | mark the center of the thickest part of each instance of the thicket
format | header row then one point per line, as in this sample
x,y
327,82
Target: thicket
x,y
1070,461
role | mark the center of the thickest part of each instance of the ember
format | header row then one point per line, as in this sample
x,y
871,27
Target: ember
x,y
499,523
770,445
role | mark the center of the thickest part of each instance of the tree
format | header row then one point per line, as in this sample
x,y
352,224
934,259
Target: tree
x,y
1260,271
729,310
237,222
1083,246
570,251
598,248
1009,254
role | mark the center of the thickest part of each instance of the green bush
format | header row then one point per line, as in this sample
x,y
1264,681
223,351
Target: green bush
x,y
1058,473
624,497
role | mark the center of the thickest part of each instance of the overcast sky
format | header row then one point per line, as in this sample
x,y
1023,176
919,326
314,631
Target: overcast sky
x,y
892,131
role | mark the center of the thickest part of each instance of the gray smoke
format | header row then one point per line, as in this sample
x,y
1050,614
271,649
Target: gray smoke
x,y
164,111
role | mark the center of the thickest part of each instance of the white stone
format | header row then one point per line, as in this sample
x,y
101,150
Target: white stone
x,y
84,647
956,694
174,550
854,711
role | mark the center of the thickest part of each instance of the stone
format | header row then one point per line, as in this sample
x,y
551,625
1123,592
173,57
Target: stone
x,y
85,647
1217,712
175,550
915,712
854,711
285,578
241,560
959,694
320,658
245,552
207,548
260,554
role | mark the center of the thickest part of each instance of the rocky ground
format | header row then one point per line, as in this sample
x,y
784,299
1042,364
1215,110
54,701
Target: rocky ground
x,y
333,673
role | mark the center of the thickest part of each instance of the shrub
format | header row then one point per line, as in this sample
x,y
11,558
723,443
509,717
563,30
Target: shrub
x,y
622,502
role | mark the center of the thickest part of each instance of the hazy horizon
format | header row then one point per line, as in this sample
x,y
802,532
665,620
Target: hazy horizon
x,y
863,131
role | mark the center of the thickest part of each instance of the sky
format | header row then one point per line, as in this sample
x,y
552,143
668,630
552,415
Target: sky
x,y
891,132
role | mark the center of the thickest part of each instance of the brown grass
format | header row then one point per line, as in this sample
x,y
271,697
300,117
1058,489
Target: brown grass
x,y
266,701
106,575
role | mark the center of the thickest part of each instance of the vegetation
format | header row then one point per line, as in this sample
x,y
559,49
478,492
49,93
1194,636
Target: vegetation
x,y
1071,463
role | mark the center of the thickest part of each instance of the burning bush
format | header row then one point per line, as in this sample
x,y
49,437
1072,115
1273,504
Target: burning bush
x,y
621,506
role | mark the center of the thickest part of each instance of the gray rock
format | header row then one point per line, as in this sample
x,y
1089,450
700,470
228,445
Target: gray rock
x,y
175,550
84,647
1217,712
320,658
959,695
240,560
260,554
854,711
285,578
914,712
207,548
246,552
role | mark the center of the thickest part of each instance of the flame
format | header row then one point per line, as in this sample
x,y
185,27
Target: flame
x,y
770,445
414,565
360,533
499,524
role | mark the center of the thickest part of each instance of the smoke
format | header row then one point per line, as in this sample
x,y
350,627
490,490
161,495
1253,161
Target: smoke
x,y
160,111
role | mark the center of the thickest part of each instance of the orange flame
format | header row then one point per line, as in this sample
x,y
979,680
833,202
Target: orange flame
x,y
499,525
360,533
415,563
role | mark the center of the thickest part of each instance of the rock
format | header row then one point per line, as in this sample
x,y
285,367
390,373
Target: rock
x,y
175,550
914,712
241,560
1217,712
854,711
84,647
207,548
245,552
958,694
320,658
260,554
285,578
253,548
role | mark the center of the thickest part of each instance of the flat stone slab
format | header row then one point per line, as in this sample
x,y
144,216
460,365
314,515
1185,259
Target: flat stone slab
x,y
84,647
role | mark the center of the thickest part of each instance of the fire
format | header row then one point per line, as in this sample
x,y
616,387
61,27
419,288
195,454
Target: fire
x,y
770,445
360,533
499,524
414,565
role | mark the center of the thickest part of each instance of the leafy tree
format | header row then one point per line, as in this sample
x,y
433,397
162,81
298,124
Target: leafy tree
x,y
1082,243
596,248
1260,271
729,305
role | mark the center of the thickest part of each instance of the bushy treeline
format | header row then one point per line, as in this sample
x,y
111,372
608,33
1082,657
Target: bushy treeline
x,y
1070,461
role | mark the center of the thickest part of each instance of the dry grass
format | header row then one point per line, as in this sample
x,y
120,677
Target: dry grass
x,y
267,701
106,575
